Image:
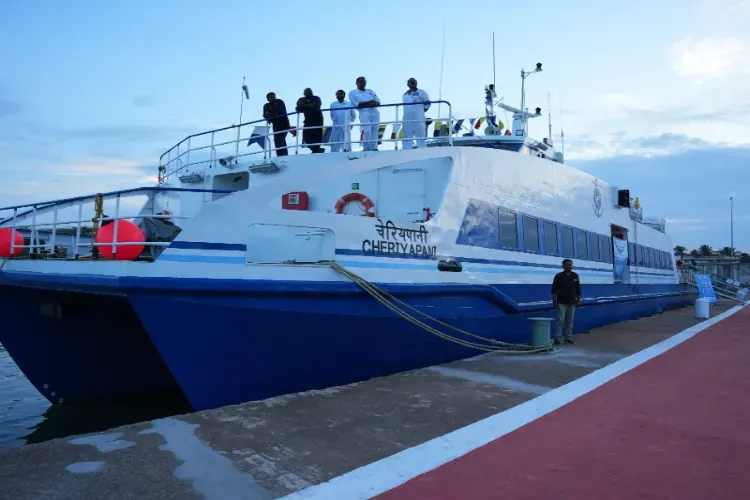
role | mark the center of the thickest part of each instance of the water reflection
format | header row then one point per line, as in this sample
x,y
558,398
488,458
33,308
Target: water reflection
x,y
26,417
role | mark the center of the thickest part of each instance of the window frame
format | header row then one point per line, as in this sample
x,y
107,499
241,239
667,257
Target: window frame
x,y
535,225
517,248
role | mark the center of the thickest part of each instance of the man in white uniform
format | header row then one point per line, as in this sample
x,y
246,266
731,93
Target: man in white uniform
x,y
341,118
366,100
414,119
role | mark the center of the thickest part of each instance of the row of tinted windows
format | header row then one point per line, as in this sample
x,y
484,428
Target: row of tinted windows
x,y
643,256
489,226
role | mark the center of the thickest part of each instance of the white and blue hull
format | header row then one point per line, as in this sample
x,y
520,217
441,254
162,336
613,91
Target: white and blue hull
x,y
223,316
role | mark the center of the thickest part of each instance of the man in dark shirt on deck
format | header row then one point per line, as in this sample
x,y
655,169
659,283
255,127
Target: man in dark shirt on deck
x,y
566,295
275,112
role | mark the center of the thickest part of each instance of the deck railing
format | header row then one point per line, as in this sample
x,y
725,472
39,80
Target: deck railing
x,y
202,149
719,284
89,213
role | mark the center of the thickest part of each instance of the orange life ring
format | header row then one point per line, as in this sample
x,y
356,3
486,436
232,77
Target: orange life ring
x,y
369,205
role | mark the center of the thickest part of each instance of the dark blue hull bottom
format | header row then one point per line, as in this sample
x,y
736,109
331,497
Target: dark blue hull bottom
x,y
74,346
228,345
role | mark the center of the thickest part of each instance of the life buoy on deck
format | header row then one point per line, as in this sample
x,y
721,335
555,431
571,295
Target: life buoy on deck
x,y
367,202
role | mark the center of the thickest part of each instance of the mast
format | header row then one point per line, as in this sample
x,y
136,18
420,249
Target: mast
x,y
562,133
549,117
442,58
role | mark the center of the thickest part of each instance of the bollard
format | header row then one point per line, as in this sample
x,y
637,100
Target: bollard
x,y
540,331
702,308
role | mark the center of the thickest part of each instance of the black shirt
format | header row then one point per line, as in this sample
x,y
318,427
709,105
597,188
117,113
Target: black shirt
x,y
310,106
567,288
276,114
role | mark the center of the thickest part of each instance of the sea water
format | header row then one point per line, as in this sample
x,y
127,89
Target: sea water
x,y
27,417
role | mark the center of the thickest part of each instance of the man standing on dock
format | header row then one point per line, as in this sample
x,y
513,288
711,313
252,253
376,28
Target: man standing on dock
x,y
566,296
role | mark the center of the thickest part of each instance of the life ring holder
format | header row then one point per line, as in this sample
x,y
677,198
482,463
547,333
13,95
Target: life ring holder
x,y
367,202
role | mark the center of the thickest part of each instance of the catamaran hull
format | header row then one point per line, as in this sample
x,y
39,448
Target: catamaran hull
x,y
233,341
76,346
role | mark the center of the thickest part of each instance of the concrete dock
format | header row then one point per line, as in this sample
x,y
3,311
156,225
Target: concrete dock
x,y
340,443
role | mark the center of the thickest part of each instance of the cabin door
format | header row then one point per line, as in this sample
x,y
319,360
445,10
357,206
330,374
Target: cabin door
x,y
401,194
619,242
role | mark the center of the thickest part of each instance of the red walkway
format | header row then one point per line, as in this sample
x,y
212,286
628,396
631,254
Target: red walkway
x,y
677,426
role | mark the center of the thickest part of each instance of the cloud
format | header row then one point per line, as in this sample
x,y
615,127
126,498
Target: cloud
x,y
690,190
143,100
621,144
8,107
709,58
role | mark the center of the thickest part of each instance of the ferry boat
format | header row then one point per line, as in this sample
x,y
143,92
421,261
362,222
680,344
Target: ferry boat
x,y
262,275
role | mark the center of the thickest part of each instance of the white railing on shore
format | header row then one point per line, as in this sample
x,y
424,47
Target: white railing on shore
x,y
205,145
26,218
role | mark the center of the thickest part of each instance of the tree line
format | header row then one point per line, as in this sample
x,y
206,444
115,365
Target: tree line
x,y
706,250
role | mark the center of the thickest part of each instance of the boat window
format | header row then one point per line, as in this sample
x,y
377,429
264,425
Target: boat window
x,y
646,257
480,226
508,229
567,242
550,238
606,249
595,248
583,249
632,257
652,253
660,263
530,234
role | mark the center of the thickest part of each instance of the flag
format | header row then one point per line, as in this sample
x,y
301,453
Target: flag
x,y
258,136
479,122
436,130
493,122
293,130
381,132
457,126
395,131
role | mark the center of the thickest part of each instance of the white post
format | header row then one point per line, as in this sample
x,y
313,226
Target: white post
x,y
296,138
395,138
54,230
33,231
187,156
450,125
117,221
13,233
78,228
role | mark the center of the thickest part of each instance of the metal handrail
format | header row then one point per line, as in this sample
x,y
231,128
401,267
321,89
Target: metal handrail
x,y
174,153
42,208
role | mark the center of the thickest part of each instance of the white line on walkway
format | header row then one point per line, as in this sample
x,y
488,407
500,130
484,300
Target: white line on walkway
x,y
385,474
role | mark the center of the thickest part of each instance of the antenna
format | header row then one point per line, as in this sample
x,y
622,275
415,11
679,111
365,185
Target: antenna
x,y
562,133
549,116
442,58
494,79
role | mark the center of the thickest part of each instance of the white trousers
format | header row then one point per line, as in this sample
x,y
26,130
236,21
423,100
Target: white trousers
x,y
338,135
414,130
370,120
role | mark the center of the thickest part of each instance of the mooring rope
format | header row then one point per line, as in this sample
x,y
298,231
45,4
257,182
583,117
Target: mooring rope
x,y
392,303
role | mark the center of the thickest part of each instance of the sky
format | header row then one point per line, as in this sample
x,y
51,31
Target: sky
x,y
652,94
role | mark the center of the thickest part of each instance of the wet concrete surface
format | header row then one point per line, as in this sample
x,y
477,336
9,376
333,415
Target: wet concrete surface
x,y
274,447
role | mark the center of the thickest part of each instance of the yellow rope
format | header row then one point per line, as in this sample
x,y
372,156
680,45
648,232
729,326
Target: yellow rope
x,y
390,302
